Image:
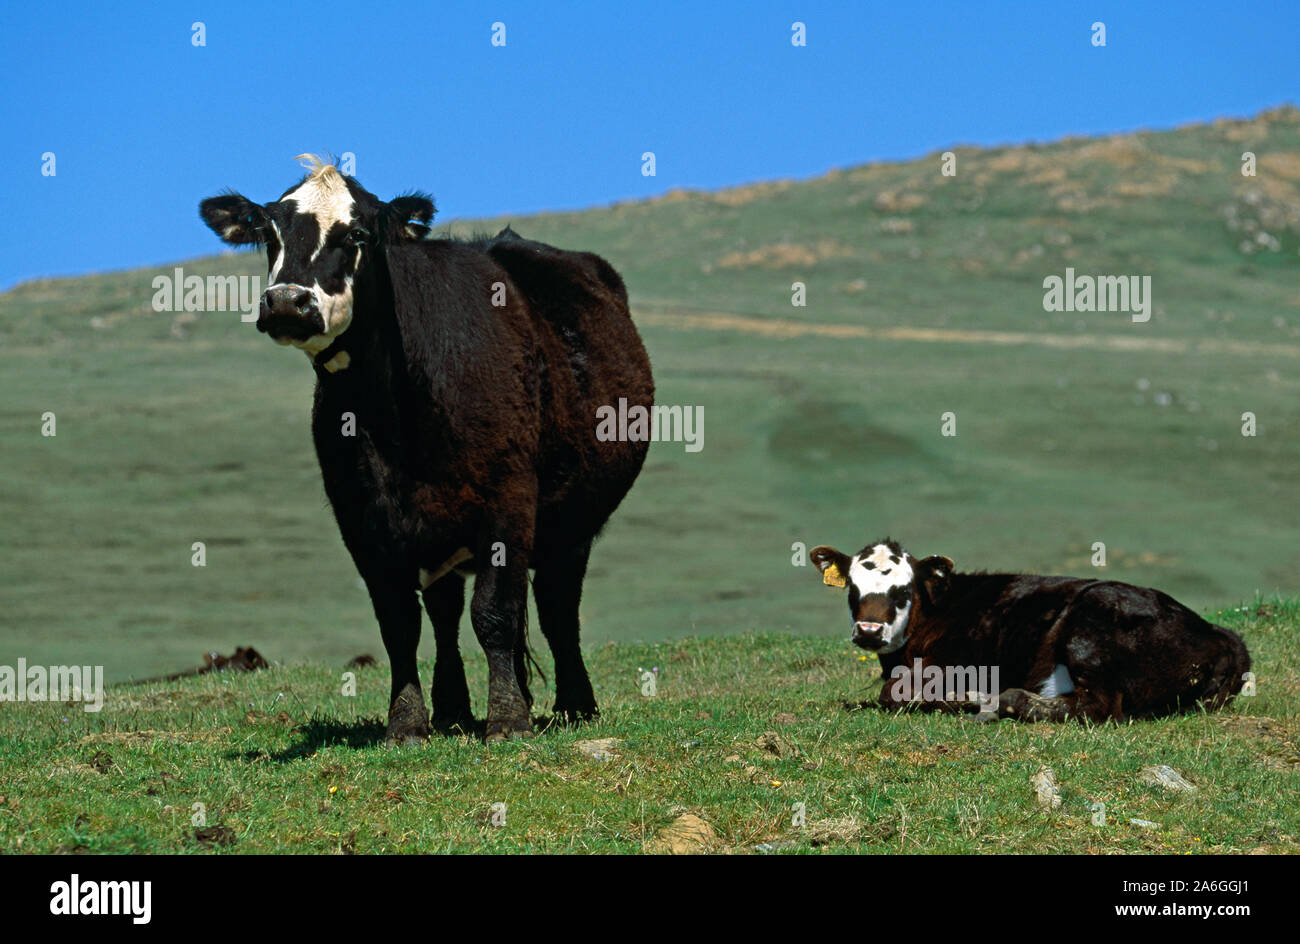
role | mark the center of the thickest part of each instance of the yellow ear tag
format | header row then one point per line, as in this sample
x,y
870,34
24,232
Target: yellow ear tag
x,y
832,577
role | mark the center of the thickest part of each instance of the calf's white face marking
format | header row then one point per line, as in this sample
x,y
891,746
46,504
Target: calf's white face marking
x,y
881,570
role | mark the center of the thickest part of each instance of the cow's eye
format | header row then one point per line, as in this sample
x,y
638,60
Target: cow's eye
x,y
357,237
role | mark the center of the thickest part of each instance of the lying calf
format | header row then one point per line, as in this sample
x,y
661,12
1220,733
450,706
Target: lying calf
x,y
1052,647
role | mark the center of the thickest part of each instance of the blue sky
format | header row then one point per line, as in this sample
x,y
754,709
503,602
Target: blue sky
x,y
143,124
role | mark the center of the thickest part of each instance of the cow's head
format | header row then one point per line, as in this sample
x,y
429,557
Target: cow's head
x,y
319,236
886,587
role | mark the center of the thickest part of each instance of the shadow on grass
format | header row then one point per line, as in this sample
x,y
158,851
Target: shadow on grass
x,y
321,732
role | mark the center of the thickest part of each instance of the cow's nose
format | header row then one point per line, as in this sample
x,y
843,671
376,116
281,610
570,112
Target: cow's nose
x,y
286,300
866,634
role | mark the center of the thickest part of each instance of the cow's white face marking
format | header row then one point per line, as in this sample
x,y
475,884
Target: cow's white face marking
x,y
335,311
882,570
325,196
1058,683
278,264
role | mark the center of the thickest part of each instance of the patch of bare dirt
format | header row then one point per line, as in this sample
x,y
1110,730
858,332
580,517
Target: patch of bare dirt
x,y
1278,743
739,196
784,255
688,834
893,201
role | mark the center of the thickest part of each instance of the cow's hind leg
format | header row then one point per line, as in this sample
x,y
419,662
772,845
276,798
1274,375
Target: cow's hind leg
x,y
398,612
445,601
557,587
497,611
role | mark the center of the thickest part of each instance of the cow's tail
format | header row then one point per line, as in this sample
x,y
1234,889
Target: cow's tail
x,y
529,659
1229,672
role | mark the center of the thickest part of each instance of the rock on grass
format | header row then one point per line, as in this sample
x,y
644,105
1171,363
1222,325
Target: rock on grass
x,y
1045,786
1165,776
601,749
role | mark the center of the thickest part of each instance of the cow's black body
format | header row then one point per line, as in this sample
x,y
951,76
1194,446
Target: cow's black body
x,y
1131,652
475,429
458,386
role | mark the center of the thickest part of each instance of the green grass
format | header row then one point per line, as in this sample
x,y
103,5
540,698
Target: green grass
x,y
286,763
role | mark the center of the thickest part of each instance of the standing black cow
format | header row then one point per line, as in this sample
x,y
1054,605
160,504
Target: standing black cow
x,y
455,422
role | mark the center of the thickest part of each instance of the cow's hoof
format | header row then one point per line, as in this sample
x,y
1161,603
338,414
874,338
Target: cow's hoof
x,y
408,722
508,730
402,734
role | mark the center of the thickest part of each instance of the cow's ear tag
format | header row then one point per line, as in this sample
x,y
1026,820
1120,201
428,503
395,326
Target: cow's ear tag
x,y
832,577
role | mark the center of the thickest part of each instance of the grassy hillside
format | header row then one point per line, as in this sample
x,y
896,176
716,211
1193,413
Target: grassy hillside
x,y
739,731
822,423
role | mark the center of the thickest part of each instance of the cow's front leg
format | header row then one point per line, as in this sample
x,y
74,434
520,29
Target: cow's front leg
x,y
497,612
398,612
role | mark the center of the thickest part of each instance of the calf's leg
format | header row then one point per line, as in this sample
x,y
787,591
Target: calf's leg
x,y
1079,705
445,602
398,612
557,588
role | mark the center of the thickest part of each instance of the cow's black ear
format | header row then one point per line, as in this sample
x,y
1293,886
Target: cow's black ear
x,y
833,565
410,216
233,217
933,575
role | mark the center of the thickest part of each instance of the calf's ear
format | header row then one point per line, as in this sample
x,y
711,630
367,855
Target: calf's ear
x,y
233,217
833,565
933,575
410,216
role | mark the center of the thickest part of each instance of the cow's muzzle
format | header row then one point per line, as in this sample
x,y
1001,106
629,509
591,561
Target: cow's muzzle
x,y
289,313
868,635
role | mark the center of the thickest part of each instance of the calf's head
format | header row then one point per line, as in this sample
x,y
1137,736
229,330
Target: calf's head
x,y
320,238
886,587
